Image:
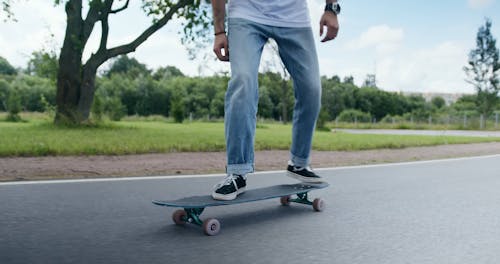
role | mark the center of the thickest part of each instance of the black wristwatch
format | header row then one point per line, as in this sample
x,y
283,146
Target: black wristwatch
x,y
333,7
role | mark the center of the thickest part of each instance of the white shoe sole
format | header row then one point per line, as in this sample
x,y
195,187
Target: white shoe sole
x,y
228,197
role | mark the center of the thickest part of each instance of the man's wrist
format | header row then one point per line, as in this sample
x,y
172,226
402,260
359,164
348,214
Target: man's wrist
x,y
219,27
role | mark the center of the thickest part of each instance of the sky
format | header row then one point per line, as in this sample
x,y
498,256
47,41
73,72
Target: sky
x,y
411,46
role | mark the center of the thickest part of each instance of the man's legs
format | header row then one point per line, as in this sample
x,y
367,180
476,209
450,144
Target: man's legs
x,y
298,53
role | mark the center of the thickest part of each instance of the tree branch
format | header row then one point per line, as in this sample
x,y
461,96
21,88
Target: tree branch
x,y
94,61
104,54
132,46
120,9
105,25
93,16
6,7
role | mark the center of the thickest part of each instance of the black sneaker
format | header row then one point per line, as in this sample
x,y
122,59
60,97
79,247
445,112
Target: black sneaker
x,y
303,174
230,187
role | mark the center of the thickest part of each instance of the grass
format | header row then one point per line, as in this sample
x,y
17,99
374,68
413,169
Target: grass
x,y
38,137
41,138
472,125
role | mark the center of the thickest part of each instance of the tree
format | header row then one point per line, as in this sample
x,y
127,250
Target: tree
x,y
438,102
465,103
178,108
6,68
167,72
130,66
337,97
76,79
349,79
280,94
4,93
285,89
370,81
483,69
43,64
14,106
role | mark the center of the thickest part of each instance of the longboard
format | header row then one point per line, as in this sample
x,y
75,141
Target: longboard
x,y
193,206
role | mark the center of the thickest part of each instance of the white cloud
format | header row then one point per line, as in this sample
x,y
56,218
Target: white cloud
x,y
434,68
480,3
437,69
382,37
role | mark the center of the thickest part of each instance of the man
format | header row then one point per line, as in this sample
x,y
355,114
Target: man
x,y
250,24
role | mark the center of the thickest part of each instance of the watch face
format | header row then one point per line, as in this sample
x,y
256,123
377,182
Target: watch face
x,y
333,7
336,8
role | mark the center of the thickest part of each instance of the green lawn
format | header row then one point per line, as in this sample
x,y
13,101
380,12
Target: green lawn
x,y
39,137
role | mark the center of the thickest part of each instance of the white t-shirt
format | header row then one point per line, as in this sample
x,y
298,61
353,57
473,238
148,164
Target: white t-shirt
x,y
279,13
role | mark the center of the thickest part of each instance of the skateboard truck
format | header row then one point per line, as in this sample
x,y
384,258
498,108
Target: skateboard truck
x,y
211,226
193,215
318,204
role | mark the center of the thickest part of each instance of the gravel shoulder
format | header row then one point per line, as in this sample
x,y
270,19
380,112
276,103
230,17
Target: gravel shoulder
x,y
77,167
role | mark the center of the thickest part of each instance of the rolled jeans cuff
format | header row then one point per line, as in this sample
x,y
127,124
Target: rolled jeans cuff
x,y
240,169
299,162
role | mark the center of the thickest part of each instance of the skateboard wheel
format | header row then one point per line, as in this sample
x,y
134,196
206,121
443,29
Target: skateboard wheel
x,y
285,200
179,217
318,204
211,227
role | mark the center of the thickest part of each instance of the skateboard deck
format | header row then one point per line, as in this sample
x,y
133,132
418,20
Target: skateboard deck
x,y
194,205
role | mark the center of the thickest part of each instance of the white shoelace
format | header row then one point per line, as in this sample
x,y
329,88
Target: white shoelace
x,y
296,168
227,180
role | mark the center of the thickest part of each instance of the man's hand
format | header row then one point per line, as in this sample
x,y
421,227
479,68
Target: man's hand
x,y
330,21
221,48
220,42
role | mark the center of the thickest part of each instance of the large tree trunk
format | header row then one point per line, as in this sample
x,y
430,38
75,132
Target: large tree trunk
x,y
69,76
87,92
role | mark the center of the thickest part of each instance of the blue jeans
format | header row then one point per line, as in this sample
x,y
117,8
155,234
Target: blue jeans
x,y
246,40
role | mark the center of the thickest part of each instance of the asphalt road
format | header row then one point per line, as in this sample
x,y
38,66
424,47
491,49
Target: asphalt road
x,y
430,212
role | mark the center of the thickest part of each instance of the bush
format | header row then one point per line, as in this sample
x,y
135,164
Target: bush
x,y
49,109
322,119
97,108
392,119
354,116
112,107
14,107
115,109
4,93
177,109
